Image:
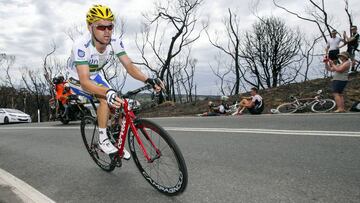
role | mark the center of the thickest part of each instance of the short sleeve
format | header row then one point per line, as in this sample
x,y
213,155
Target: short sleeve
x,y
80,55
118,47
222,108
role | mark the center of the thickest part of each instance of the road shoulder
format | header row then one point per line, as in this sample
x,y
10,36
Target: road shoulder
x,y
15,190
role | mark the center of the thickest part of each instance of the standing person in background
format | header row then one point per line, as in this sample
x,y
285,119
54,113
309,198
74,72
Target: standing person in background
x,y
340,79
333,49
352,44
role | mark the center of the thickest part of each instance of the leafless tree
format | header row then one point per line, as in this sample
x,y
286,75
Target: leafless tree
x,y
115,73
317,15
268,50
73,32
166,33
184,71
48,70
231,48
36,85
308,54
222,70
6,64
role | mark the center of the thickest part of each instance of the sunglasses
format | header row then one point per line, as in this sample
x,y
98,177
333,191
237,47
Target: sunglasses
x,y
104,27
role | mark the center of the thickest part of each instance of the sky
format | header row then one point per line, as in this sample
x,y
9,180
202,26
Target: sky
x,y
30,27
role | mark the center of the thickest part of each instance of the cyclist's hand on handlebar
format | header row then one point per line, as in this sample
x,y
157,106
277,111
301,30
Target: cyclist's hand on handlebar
x,y
112,99
156,83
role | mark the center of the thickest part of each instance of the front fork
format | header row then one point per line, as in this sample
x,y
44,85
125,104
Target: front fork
x,y
141,144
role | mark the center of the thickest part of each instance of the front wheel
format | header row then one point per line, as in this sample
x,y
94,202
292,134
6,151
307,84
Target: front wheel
x,y
287,108
323,105
166,170
90,136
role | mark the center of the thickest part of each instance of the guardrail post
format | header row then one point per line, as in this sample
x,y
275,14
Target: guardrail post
x,y
38,115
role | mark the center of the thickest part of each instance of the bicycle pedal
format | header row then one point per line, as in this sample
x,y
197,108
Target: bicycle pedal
x,y
115,158
118,163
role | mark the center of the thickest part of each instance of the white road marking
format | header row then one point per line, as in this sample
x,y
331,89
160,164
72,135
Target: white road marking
x,y
22,189
218,130
269,131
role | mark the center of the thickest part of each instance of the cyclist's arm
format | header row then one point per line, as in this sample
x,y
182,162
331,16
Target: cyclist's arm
x,y
86,83
132,69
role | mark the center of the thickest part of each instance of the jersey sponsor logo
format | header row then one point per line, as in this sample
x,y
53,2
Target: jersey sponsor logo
x,y
94,61
87,44
81,53
121,44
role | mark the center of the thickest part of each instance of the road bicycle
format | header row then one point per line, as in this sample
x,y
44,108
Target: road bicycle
x,y
153,150
317,104
233,108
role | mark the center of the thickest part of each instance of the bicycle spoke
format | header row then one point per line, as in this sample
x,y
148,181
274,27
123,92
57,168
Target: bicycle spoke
x,y
89,133
166,171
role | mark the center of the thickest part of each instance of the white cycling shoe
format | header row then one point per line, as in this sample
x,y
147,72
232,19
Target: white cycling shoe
x,y
107,146
126,155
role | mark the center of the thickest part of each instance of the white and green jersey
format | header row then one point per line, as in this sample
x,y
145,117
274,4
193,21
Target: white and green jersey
x,y
84,52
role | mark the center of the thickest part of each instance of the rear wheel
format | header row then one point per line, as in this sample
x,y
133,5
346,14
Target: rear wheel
x,y
90,136
287,108
324,105
6,120
166,171
64,120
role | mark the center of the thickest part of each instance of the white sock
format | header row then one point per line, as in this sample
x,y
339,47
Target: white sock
x,y
102,134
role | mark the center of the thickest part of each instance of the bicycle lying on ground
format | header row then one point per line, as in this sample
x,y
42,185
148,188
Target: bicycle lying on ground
x,y
153,150
317,104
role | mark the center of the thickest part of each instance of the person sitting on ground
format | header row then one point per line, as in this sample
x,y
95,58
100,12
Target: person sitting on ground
x,y
250,103
217,110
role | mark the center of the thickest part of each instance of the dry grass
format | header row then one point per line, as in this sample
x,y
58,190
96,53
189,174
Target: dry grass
x,y
272,97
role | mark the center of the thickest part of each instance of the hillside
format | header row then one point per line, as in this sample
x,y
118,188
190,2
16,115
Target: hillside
x,y
272,97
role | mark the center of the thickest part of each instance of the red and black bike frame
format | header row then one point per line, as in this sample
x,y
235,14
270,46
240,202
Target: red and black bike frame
x,y
128,121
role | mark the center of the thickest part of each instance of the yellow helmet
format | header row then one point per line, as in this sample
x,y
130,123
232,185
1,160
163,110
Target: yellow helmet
x,y
98,12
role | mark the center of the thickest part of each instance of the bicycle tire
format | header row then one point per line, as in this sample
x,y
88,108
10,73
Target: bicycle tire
x,y
64,121
89,133
287,108
323,105
152,171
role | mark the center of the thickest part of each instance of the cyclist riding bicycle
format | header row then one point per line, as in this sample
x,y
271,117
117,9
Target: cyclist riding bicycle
x,y
62,92
89,55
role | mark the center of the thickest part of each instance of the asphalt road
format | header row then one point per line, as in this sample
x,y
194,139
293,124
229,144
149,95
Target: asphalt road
x,y
267,158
